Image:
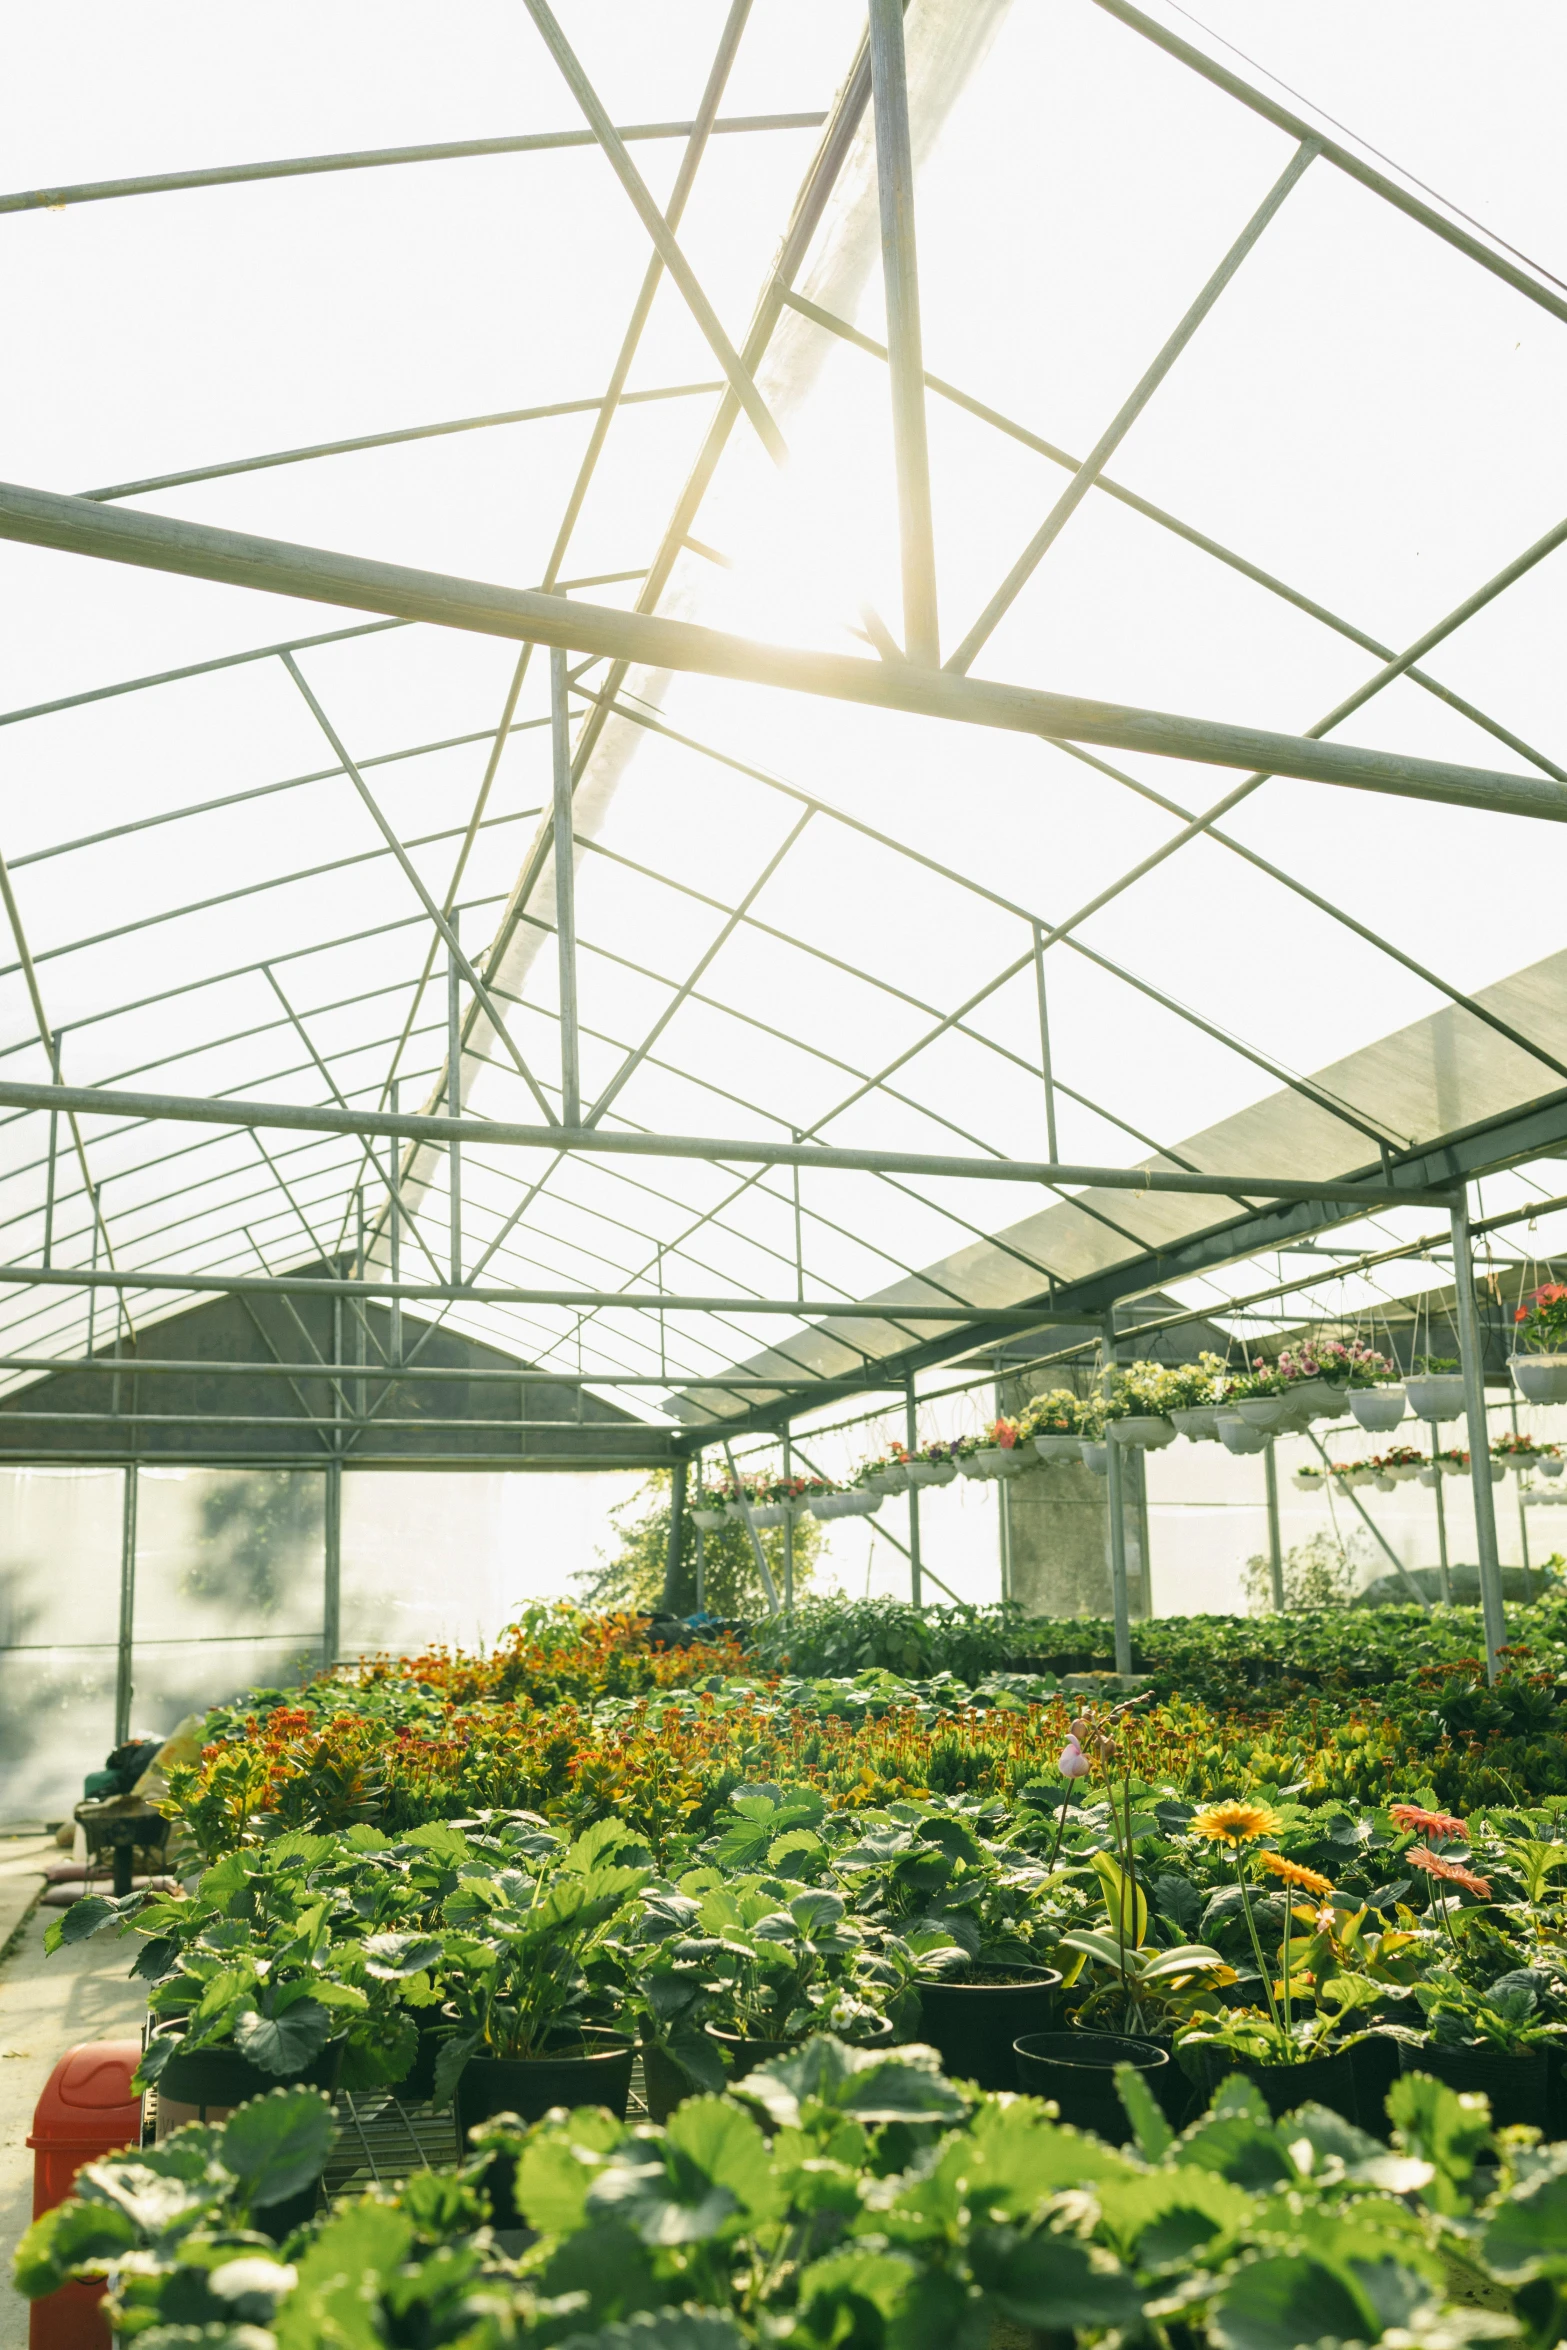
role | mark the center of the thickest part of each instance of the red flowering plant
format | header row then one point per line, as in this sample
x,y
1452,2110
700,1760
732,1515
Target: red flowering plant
x,y
1542,1318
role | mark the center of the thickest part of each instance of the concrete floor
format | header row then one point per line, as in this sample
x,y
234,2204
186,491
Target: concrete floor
x,y
46,2006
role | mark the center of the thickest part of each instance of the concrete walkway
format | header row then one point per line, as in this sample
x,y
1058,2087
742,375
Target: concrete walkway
x,y
46,2006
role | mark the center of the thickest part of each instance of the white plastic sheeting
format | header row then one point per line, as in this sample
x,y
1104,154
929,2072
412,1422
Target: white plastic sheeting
x,y
782,903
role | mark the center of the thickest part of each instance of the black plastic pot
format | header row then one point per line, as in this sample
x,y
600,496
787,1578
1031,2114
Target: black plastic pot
x,y
1321,2080
1519,2087
417,2085
279,2220
581,2068
1077,2069
972,2025
211,2078
743,2056
665,2084
1375,2060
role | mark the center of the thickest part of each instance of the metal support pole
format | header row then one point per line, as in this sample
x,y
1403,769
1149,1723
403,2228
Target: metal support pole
x,y
54,1145
911,1440
757,1552
1523,1518
332,1553
124,1686
454,1097
905,355
1044,1043
1444,1580
565,893
799,1249
1118,1604
394,1225
701,1564
677,1529
332,1593
1005,1484
1491,1607
1275,1546
93,1190
788,1470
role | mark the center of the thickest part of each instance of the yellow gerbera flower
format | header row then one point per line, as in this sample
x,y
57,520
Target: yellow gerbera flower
x,y
1294,1872
1236,1822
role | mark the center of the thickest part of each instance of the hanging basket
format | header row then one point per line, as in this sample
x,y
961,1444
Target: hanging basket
x,y
1058,1448
768,1513
893,1480
1436,1395
1096,1456
1198,1423
1149,1430
1550,1464
1236,1436
1540,1378
1431,1476
1312,1399
1262,1411
1309,1480
710,1520
932,1472
1377,1408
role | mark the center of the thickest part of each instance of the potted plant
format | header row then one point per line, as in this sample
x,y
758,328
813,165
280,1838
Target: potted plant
x,y
1194,1410
1052,1423
1260,1397
933,1464
1436,1388
1003,1456
1309,1479
959,1923
1145,1393
888,1473
1540,1372
1515,1451
532,1982
1237,1435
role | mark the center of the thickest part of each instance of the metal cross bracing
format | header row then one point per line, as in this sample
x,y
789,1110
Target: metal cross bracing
x,y
313,1182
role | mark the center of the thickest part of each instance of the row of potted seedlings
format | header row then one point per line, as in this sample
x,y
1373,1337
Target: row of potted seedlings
x,y
1034,1942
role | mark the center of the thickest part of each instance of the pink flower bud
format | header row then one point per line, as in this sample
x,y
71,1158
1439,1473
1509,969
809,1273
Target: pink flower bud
x,y
1074,1762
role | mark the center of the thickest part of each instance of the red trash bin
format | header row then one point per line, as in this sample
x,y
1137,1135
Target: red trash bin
x,y
88,2108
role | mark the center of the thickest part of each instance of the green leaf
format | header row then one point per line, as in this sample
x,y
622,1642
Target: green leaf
x,y
392,1958
1444,2126
1049,2282
553,2178
843,2278
449,2063
156,2200
286,2043
341,2280
277,2144
666,2202
688,2328
1527,2237
727,2146
907,2087
155,1958
1149,2127
1288,2303
1167,2215
60,2240
79,1922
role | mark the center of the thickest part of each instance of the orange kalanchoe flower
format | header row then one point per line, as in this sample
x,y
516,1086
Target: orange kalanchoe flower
x,y
1421,1857
1236,1822
1429,1823
1294,1872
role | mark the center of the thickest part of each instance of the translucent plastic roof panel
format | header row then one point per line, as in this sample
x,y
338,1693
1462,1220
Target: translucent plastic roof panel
x,y
1231,410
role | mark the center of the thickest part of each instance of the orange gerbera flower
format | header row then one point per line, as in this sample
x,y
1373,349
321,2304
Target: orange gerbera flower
x,y
1294,1872
1429,1823
1420,1856
1236,1822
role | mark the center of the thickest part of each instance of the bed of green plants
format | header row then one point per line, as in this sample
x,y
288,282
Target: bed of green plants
x,y
841,2197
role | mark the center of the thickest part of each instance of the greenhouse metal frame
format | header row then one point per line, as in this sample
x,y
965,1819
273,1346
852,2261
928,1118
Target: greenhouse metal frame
x,y
355,1192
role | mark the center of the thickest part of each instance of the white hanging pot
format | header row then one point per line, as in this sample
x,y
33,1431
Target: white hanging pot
x,y
1541,1378
1313,1399
1236,1436
1383,1482
827,1505
1519,1462
970,1465
1454,1469
1262,1411
1309,1480
932,1472
1436,1395
1430,1476
860,1505
991,1461
709,1520
1360,1477
768,1513
1150,1430
1198,1423
892,1480
1058,1448
1550,1464
1498,1472
1377,1407
1402,1471
1097,1456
